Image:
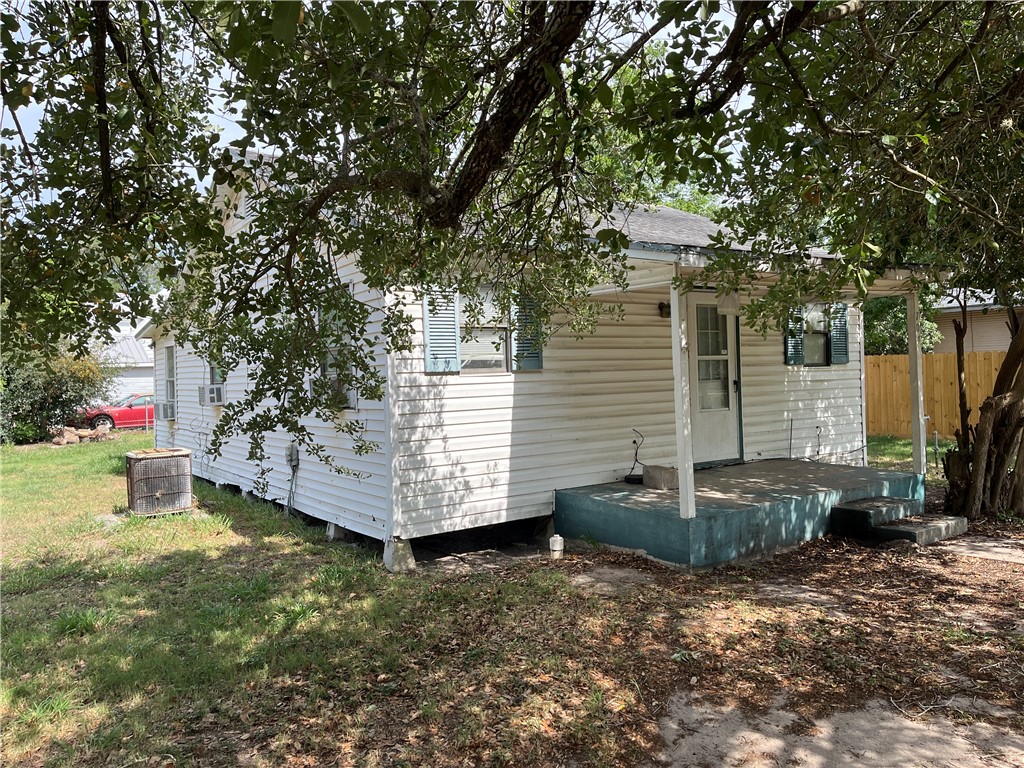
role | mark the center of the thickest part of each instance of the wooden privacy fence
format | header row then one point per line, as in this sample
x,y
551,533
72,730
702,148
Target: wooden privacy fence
x,y
887,387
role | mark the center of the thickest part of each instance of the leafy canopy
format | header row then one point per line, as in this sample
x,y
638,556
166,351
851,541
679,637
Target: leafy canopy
x,y
450,144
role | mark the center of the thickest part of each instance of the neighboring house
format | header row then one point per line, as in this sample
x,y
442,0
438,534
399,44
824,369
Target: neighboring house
x,y
134,359
470,437
987,328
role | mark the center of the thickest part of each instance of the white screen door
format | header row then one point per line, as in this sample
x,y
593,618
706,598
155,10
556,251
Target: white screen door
x,y
714,384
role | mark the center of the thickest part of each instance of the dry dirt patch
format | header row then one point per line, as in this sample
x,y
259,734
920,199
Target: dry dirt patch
x,y
701,734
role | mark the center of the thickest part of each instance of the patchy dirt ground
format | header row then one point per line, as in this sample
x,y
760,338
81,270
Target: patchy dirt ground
x,y
920,697
700,735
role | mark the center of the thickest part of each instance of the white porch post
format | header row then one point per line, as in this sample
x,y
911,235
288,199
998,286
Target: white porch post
x,y
681,374
917,433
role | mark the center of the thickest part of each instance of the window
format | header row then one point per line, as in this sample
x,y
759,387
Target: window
x,y
487,347
498,344
333,385
170,395
817,335
216,375
712,359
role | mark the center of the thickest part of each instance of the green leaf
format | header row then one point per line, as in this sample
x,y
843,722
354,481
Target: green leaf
x,y
551,74
256,64
357,17
604,94
889,140
286,20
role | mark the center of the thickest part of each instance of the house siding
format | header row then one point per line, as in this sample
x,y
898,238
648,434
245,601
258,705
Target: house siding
x,y
474,449
357,504
986,332
782,401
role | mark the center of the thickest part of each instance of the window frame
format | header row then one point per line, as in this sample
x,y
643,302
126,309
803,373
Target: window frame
x,y
825,332
170,376
468,334
835,319
342,399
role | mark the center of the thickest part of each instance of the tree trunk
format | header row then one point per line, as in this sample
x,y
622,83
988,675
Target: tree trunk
x,y
956,465
997,409
960,331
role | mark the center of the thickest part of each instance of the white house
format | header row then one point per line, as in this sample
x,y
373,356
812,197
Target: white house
x,y
133,357
987,326
470,437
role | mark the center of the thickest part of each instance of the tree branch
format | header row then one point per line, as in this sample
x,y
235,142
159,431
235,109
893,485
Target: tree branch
x,y
632,51
100,17
966,204
836,12
968,49
495,134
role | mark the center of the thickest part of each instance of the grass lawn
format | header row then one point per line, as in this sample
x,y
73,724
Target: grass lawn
x,y
888,452
242,637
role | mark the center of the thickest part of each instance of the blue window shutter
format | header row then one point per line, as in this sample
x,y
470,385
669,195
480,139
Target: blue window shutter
x,y
441,333
526,345
839,335
793,342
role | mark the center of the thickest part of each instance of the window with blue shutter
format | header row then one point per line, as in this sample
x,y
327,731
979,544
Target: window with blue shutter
x,y
839,335
817,335
526,344
494,346
441,333
794,339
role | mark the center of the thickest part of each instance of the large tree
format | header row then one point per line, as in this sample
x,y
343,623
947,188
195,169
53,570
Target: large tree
x,y
453,143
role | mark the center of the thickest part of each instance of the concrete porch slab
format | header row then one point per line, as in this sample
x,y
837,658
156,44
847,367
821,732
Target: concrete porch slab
x,y
742,511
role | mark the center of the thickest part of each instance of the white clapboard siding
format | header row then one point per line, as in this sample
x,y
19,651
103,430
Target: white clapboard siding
x,y
361,504
475,449
986,332
780,402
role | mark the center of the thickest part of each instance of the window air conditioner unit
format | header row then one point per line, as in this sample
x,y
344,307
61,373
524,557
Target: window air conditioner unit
x,y
159,480
211,394
165,411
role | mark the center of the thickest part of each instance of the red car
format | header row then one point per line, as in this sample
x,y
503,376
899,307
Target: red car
x,y
136,410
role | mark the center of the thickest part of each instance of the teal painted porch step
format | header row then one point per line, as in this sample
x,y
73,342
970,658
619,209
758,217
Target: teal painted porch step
x,y
883,518
861,517
923,532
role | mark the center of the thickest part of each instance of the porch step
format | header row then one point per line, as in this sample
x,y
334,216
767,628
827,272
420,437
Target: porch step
x,y
882,517
923,532
863,516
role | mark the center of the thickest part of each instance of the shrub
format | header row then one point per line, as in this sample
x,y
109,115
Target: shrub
x,y
38,393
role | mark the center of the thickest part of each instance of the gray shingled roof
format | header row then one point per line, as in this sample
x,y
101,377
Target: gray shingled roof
x,y
661,225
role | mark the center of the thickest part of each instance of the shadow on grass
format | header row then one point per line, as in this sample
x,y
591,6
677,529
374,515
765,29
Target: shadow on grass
x,y
187,651
284,646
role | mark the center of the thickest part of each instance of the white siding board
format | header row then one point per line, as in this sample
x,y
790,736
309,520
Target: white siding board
x,y
780,400
986,332
358,504
477,449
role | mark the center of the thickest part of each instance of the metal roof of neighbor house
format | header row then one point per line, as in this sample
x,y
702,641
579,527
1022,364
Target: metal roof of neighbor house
x,y
130,352
975,300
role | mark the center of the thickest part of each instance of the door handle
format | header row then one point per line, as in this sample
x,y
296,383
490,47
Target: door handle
x,y
736,385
